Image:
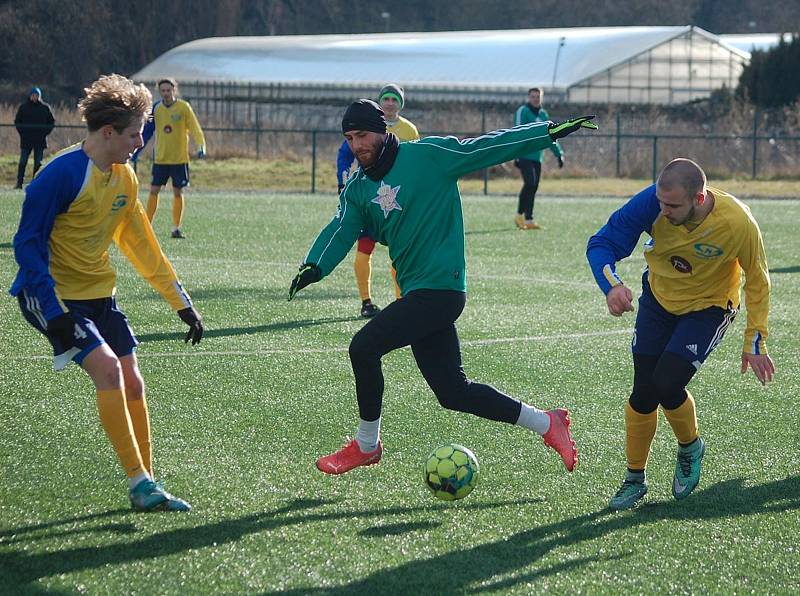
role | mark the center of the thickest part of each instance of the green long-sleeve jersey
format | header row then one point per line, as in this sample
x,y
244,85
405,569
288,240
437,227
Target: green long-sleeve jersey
x,y
415,209
525,115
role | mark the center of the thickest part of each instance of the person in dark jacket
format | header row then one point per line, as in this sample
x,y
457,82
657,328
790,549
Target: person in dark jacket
x,y
34,121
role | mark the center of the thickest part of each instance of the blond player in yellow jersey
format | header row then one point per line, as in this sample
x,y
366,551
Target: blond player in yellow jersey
x,y
701,241
391,98
82,200
173,122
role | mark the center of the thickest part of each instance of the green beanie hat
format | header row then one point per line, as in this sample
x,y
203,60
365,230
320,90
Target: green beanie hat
x,y
393,90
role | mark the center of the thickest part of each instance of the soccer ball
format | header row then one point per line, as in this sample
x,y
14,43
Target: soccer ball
x,y
451,472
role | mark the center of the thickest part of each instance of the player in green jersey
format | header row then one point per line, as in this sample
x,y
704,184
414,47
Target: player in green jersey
x,y
407,196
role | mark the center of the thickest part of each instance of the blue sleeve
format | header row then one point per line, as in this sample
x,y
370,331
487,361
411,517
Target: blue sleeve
x,y
50,194
617,239
147,134
344,161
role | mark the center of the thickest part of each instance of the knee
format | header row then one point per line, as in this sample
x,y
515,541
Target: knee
x,y
134,386
361,348
107,373
669,387
452,394
644,399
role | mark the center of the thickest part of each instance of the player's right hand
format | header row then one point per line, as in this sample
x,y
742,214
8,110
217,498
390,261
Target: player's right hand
x,y
62,328
619,300
192,318
308,274
559,130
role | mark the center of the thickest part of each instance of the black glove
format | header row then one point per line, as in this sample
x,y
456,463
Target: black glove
x,y
560,161
559,130
341,187
192,318
308,274
62,328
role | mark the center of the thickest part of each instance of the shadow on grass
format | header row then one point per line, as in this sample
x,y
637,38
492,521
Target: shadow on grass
x,y
795,269
20,568
6,245
231,331
460,571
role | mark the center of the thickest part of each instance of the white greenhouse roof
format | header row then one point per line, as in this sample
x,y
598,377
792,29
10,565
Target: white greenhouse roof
x,y
509,59
754,41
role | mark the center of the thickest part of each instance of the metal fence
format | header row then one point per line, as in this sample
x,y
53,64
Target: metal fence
x,y
596,154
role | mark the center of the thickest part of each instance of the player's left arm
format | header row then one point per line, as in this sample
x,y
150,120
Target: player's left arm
x,y
753,260
195,131
458,157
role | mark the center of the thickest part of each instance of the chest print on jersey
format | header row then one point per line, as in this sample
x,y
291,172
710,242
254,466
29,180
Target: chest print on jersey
x,y
387,198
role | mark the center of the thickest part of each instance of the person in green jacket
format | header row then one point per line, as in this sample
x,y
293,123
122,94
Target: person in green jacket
x,y
530,164
407,196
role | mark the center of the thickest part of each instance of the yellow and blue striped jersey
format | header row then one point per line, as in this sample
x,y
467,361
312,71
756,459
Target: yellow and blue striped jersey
x,y
71,214
171,126
689,270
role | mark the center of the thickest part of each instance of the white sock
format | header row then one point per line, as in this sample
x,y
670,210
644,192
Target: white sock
x,y
137,479
175,228
368,434
533,418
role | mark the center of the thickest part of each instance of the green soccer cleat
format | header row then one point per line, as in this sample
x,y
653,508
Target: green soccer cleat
x,y
633,490
687,469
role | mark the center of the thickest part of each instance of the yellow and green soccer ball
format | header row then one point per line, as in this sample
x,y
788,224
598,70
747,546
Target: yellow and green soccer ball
x,y
451,472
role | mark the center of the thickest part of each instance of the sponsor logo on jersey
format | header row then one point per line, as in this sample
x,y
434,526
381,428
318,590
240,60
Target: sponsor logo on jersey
x,y
707,251
119,202
387,199
175,117
681,265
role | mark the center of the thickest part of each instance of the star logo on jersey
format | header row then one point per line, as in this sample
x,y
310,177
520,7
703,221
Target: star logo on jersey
x,y
387,199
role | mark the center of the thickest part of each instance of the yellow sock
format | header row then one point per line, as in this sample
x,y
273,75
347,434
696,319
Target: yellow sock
x,y
683,420
639,432
177,210
363,268
117,424
140,420
396,287
152,205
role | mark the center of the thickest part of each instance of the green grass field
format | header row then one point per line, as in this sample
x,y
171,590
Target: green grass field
x,y
239,420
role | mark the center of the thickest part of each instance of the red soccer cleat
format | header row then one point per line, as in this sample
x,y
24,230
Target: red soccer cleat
x,y
348,457
559,438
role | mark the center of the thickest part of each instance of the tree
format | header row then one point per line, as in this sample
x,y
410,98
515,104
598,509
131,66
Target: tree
x,y
770,80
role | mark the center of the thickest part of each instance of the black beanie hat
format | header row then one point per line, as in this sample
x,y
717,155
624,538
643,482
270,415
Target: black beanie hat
x,y
364,114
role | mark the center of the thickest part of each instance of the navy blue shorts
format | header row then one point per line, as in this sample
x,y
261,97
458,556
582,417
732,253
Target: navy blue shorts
x,y
99,322
692,336
178,172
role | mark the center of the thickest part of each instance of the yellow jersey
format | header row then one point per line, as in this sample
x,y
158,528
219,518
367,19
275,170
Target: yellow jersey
x,y
71,214
689,270
172,126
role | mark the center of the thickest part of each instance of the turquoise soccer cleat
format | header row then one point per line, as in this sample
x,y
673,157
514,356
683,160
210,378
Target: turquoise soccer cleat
x,y
151,496
687,469
633,490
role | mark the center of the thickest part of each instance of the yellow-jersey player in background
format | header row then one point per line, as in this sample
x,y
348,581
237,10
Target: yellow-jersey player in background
x,y
82,200
172,123
701,241
391,98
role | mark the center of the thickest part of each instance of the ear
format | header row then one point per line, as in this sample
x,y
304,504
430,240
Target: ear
x,y
701,198
107,130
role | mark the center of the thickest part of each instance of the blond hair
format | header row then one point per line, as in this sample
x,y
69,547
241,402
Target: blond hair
x,y
115,100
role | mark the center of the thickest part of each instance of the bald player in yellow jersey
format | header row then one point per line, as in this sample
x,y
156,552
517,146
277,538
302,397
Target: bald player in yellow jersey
x,y
702,240
173,122
391,99
85,198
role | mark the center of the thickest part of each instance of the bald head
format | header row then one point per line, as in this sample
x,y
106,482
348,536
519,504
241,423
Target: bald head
x,y
683,173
